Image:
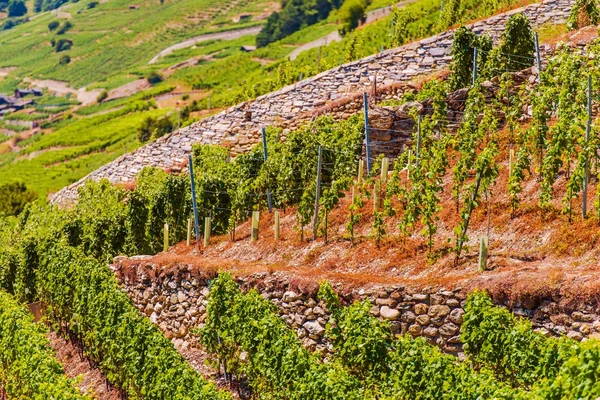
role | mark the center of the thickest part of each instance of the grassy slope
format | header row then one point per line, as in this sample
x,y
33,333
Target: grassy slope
x,y
111,40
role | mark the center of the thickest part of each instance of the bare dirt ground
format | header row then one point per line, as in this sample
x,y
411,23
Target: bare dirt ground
x,y
128,89
93,381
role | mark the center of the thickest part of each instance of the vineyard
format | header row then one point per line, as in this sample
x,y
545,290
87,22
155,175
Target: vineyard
x,y
499,175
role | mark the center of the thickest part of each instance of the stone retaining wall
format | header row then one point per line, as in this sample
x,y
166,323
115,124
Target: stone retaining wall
x,y
176,302
239,126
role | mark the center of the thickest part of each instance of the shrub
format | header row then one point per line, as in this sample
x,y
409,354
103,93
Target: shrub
x,y
154,77
351,13
62,45
465,40
92,4
153,128
53,25
14,197
16,8
64,59
102,96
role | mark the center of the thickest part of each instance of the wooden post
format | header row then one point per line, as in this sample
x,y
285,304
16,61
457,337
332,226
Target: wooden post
x,y
483,253
265,154
511,160
276,227
361,170
255,220
196,220
166,238
587,139
367,141
189,232
207,229
385,166
318,193
377,196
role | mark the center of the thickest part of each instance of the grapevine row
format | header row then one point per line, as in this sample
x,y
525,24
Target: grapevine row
x,y
28,366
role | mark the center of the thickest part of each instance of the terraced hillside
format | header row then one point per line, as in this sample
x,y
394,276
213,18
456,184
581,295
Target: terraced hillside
x,y
59,140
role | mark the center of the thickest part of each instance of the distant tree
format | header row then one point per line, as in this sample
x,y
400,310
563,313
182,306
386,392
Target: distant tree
x,y
37,5
53,25
3,5
294,15
154,77
102,96
351,13
153,128
64,59
62,45
92,4
14,197
16,8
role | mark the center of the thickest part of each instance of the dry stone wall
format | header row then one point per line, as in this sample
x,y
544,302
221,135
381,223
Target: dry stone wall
x,y
239,126
176,302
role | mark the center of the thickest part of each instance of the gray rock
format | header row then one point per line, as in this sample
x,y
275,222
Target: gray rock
x,y
421,308
389,313
448,329
314,328
438,311
456,316
289,296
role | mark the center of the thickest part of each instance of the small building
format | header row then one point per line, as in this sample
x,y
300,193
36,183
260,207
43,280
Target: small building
x,y
26,92
248,49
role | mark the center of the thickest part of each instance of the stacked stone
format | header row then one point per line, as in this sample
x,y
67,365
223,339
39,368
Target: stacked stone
x,y
177,302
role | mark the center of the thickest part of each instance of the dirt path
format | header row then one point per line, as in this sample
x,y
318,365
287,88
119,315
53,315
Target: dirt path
x,y
93,381
324,41
370,17
228,35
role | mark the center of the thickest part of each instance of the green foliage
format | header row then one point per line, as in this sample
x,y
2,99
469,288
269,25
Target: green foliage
x,y
402,368
16,8
38,262
28,366
53,25
64,59
154,77
296,14
494,338
516,52
14,197
352,12
465,41
153,128
583,13
103,96
276,364
62,45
